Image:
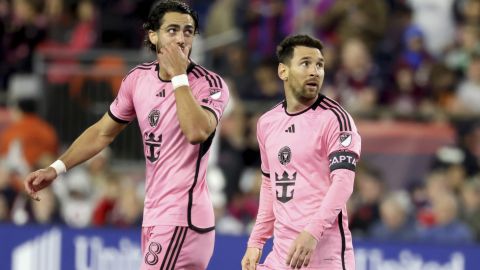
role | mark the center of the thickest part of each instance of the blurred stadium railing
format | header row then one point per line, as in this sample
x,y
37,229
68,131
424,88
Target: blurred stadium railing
x,y
79,88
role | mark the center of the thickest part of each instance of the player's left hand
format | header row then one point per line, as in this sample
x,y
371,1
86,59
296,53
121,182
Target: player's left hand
x,y
301,250
174,58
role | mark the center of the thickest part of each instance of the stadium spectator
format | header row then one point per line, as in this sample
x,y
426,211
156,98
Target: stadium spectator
x,y
448,228
396,223
470,198
357,82
468,92
355,19
24,29
37,138
364,205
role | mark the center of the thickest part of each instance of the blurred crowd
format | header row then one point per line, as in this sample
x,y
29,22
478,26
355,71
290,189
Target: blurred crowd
x,y
386,60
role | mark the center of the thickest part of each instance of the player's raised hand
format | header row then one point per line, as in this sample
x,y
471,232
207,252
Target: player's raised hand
x,y
301,250
251,258
173,57
39,180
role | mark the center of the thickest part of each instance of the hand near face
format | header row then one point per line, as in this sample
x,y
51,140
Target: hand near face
x,y
173,58
301,250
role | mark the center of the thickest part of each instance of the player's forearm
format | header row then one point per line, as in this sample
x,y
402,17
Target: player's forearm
x,y
194,121
334,201
86,146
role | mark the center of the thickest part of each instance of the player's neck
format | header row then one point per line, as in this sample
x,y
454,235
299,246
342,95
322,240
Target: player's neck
x,y
295,104
163,75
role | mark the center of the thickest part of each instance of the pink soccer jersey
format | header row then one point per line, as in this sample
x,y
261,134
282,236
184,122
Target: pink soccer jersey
x,y
308,164
176,187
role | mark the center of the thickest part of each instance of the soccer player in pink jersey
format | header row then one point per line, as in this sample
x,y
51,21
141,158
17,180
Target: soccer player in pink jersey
x,y
178,105
309,149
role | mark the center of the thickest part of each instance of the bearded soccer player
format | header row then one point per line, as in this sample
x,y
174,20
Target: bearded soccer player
x,y
178,105
309,148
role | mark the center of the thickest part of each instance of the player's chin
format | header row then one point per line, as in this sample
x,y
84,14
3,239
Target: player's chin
x,y
310,92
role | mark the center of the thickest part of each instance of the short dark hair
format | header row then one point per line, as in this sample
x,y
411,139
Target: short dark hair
x,y
286,47
158,10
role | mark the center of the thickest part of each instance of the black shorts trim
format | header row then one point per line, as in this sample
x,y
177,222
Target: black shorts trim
x,y
174,248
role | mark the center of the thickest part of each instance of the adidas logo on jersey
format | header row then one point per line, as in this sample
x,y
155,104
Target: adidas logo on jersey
x,y
161,93
290,129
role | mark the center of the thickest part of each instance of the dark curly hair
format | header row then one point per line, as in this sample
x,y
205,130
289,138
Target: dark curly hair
x,y
158,10
286,47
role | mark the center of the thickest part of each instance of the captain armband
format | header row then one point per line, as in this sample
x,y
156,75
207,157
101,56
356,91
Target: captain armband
x,y
343,160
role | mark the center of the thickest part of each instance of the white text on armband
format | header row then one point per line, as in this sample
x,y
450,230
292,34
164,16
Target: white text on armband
x,y
343,160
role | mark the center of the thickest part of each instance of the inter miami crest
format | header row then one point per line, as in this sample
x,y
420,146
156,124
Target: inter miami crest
x,y
285,186
285,155
345,139
153,117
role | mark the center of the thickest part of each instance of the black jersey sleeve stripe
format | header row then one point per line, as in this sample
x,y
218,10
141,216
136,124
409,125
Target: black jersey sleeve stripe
x,y
345,112
215,83
266,174
219,81
345,127
334,112
349,126
204,70
334,107
195,73
209,81
200,71
116,119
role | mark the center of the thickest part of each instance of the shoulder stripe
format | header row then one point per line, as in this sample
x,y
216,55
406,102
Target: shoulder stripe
x,y
209,81
195,73
334,112
202,72
135,68
203,69
213,79
343,111
219,81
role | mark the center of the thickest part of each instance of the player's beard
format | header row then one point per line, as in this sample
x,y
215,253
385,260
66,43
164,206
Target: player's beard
x,y
303,93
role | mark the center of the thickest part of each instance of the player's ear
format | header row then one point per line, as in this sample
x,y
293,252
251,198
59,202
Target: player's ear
x,y
152,36
282,71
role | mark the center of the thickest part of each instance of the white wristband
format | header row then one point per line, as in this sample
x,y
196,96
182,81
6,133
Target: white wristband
x,y
180,80
59,167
